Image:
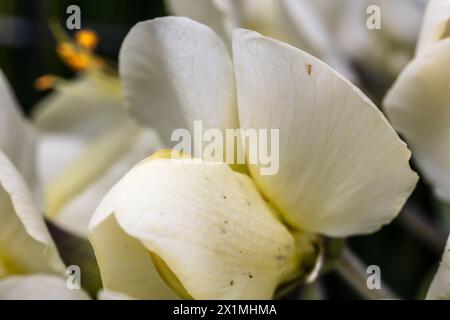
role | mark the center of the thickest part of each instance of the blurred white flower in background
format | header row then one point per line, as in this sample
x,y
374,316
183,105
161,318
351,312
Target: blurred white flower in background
x,y
295,22
383,51
334,31
212,232
418,104
86,140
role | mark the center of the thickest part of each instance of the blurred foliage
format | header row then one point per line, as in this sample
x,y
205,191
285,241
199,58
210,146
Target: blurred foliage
x,y
406,264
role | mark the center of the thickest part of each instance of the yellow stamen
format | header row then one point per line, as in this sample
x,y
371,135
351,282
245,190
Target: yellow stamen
x,y
87,39
65,50
76,58
80,62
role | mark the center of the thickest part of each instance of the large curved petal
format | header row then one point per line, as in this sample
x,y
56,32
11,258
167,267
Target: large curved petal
x,y
17,137
342,168
418,106
76,213
436,25
208,224
25,244
176,71
38,287
440,287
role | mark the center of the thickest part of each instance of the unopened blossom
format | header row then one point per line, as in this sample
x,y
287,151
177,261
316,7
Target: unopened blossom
x,y
418,104
172,228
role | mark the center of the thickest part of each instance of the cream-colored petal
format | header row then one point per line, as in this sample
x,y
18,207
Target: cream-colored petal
x,y
75,215
208,224
17,137
220,15
436,25
85,106
94,161
25,244
418,104
440,287
342,168
54,151
78,112
125,264
176,71
38,287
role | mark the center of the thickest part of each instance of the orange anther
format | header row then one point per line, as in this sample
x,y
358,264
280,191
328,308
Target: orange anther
x,y
65,50
80,62
86,39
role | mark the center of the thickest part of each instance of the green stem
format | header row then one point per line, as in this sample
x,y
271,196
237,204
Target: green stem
x,y
353,271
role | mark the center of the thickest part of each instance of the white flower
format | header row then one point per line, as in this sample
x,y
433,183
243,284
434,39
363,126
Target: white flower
x,y
418,103
30,266
206,231
296,22
80,141
440,287
384,51
86,142
334,31
25,244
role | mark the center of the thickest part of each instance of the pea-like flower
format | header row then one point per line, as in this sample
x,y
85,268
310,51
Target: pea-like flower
x,y
203,230
418,102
